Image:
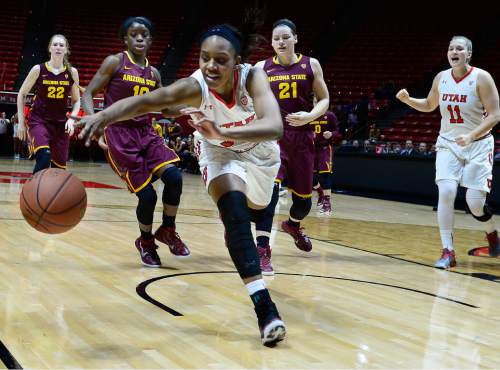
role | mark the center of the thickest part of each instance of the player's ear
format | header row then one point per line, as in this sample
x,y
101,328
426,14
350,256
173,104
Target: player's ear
x,y
238,60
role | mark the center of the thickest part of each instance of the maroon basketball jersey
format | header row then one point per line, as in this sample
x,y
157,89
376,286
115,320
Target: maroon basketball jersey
x,y
292,85
130,79
51,95
326,122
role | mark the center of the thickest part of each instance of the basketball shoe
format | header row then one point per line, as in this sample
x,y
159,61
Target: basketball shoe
x,y
326,206
446,260
321,195
265,260
272,328
168,236
301,240
147,250
493,244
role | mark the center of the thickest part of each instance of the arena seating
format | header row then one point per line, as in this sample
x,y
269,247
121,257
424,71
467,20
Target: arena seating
x,y
13,17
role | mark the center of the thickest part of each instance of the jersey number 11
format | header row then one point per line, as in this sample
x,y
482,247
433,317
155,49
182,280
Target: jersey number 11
x,y
456,110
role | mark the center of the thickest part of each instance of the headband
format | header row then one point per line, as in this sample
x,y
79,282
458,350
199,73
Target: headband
x,y
225,32
285,22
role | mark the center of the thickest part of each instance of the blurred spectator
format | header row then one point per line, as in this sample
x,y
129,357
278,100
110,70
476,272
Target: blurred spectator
x,y
4,127
157,127
396,148
189,161
179,145
174,131
408,150
18,145
368,147
422,150
374,133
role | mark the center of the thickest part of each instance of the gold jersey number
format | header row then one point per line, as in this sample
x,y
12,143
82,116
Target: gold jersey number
x,y
55,92
140,90
285,88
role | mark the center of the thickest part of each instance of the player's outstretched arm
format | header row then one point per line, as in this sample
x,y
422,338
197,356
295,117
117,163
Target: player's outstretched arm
x,y
423,105
185,91
26,87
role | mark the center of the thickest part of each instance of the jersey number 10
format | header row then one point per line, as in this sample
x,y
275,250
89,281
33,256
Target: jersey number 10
x,y
456,110
139,90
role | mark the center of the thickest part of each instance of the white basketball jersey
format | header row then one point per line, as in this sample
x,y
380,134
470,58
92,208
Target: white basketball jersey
x,y
460,106
238,112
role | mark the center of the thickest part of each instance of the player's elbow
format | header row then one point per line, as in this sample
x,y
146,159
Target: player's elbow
x,y
278,132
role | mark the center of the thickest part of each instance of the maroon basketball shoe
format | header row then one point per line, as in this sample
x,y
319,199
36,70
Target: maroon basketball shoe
x,y
301,240
493,244
320,196
326,206
168,236
147,250
265,260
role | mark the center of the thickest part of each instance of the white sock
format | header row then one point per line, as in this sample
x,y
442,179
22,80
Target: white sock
x,y
255,286
447,239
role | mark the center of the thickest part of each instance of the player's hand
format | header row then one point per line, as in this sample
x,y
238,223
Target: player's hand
x,y
464,140
102,143
69,127
21,131
327,134
298,118
202,124
403,95
93,127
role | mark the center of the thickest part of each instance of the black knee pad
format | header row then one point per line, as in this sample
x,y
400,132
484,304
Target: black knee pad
x,y
42,158
263,218
172,178
486,216
300,207
315,179
325,180
236,218
146,206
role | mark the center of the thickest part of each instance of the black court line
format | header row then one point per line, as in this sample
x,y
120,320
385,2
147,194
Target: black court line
x,y
7,358
141,288
478,275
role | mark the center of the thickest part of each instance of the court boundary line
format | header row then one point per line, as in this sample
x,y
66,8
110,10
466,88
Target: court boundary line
x,y
141,288
7,358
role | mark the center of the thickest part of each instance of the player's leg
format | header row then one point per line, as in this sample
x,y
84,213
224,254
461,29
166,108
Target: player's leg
x,y
171,177
318,188
145,213
325,178
38,138
59,147
228,191
449,170
299,173
477,178
161,161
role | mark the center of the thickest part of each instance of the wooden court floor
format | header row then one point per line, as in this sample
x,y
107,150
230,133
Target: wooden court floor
x,y
367,296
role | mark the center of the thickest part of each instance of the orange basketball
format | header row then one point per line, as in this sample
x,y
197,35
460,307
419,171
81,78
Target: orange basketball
x,y
54,201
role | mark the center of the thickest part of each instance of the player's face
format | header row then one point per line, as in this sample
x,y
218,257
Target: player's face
x,y
457,53
138,39
58,46
217,61
283,40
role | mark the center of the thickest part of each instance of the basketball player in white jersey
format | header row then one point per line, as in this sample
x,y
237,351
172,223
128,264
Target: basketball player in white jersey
x,y
469,105
238,121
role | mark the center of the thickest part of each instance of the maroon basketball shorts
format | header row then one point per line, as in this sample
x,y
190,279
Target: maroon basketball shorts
x,y
297,161
51,135
135,153
323,159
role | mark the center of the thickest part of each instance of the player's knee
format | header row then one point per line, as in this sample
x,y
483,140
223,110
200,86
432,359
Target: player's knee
x,y
447,191
325,180
236,218
146,206
266,215
300,207
172,178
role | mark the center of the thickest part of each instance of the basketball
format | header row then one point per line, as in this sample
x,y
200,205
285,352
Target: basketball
x,y
54,201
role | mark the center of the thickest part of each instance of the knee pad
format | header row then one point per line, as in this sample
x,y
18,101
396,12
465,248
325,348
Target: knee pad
x,y
42,158
236,218
300,207
486,216
315,179
264,217
146,205
325,180
477,204
172,178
